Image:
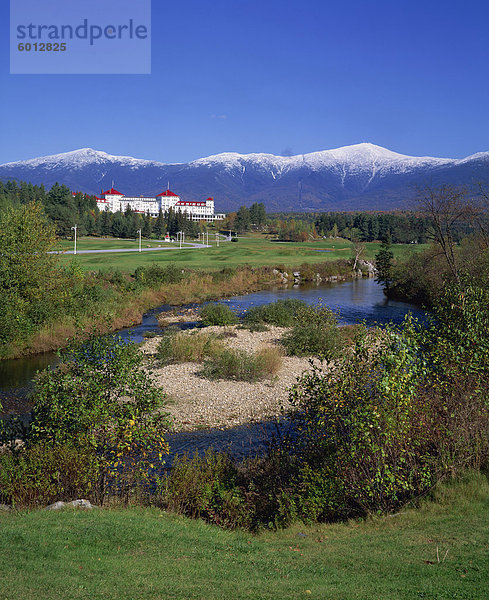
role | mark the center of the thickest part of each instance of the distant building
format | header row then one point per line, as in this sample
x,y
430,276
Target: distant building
x,y
114,201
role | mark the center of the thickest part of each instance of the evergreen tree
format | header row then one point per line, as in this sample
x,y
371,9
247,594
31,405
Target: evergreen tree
x,y
159,225
90,224
119,228
258,214
383,263
243,219
147,228
105,223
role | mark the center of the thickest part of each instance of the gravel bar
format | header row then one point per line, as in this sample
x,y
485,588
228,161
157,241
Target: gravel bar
x,y
196,402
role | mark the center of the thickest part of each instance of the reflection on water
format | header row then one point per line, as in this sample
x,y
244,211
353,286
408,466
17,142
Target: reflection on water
x,y
16,373
239,442
355,301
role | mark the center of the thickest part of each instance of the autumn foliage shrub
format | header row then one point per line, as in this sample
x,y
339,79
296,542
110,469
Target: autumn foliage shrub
x,y
101,406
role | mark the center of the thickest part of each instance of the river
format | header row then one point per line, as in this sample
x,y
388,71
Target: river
x,y
355,301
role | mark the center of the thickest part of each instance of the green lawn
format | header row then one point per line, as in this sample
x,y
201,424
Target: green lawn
x,y
439,552
90,243
254,250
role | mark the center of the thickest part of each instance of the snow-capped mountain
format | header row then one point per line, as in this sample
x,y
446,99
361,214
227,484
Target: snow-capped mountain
x,y
362,176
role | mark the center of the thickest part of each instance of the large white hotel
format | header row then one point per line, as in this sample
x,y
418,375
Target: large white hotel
x,y
114,201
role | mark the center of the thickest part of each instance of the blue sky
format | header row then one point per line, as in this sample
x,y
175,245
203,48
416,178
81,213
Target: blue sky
x,y
269,76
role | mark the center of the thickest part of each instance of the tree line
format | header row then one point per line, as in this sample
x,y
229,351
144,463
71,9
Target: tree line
x,y
65,209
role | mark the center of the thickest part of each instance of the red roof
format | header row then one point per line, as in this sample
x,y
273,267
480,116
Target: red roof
x,y
167,193
210,198
112,191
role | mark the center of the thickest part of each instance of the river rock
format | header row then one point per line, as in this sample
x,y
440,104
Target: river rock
x,y
56,506
81,503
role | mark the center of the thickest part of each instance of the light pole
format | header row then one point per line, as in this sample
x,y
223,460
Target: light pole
x,y
181,236
217,239
207,238
74,229
139,231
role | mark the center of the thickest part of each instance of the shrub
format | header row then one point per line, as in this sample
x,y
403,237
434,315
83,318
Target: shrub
x,y
315,333
28,271
307,271
42,474
206,488
154,275
359,431
242,366
150,334
101,398
188,347
388,422
280,313
217,314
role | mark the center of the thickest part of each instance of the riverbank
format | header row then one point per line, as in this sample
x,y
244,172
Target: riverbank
x,y
126,307
117,301
195,402
355,301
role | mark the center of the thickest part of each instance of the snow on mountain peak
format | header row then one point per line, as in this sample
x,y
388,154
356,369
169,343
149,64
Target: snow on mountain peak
x,y
77,159
364,162
335,178
354,157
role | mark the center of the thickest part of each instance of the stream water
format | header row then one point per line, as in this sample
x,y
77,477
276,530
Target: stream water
x,y
354,301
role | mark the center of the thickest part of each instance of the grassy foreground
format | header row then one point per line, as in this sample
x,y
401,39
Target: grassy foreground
x,y
253,249
439,551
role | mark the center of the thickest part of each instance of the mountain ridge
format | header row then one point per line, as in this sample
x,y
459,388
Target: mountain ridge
x,y
360,176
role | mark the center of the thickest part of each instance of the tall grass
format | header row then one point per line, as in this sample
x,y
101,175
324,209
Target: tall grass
x,y
243,366
107,301
178,347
